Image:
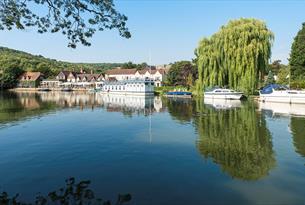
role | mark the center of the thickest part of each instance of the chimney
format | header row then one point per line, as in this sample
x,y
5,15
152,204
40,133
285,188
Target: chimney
x,y
91,71
81,70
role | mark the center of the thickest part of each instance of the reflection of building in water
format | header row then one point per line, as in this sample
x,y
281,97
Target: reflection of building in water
x,y
29,100
71,99
222,103
112,102
131,104
282,108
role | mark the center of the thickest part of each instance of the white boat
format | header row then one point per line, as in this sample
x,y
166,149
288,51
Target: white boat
x,y
282,94
220,93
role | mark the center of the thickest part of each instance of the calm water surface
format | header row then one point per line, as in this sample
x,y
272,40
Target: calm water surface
x,y
161,151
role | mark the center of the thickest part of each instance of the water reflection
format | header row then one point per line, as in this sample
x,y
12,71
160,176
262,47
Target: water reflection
x,y
297,127
236,139
181,109
15,106
223,104
282,109
18,106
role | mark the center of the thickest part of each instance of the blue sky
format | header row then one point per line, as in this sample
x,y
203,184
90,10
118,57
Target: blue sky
x,y
167,30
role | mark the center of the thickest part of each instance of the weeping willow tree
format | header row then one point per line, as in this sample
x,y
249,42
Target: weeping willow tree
x,y
236,139
236,56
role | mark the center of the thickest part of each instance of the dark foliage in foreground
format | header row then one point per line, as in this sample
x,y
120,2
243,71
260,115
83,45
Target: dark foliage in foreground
x,y
78,20
73,193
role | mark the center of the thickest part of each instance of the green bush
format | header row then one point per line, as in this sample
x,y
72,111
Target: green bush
x,y
297,84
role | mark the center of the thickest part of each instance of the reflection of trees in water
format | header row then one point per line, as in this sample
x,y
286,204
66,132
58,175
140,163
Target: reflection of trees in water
x,y
15,107
180,109
73,193
236,139
297,126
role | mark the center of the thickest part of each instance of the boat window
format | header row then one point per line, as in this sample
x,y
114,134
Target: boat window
x,y
217,91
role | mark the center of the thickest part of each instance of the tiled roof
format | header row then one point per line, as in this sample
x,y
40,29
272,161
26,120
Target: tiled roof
x,y
151,71
88,76
119,71
30,76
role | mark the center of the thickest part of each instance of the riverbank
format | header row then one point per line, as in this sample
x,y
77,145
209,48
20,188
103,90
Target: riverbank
x,y
51,89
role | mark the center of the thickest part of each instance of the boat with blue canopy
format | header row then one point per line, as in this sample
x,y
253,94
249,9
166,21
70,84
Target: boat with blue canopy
x,y
281,93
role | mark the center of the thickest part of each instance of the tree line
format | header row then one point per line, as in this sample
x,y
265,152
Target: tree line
x,y
13,63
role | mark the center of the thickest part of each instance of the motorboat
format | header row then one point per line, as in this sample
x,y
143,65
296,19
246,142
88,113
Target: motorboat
x,y
282,94
66,89
221,93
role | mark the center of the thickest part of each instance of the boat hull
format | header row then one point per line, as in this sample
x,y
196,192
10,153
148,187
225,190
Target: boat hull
x,y
127,93
284,97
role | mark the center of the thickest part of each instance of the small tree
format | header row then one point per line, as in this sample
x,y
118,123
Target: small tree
x,y
270,78
181,73
283,75
189,81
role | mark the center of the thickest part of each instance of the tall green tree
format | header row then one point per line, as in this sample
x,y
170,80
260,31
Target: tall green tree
x,y
9,76
297,56
76,19
236,56
182,73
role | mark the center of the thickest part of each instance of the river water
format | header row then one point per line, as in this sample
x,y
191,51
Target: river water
x,y
160,150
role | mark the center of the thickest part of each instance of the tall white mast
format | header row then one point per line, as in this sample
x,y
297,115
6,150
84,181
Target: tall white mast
x,y
150,133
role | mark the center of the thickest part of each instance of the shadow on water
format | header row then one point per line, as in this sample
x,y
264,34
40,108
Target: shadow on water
x,y
72,193
234,136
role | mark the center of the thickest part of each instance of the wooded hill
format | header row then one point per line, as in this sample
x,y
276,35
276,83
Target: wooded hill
x,y
10,58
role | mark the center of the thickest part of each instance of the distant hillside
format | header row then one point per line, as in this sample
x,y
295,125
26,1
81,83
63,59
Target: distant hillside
x,y
10,58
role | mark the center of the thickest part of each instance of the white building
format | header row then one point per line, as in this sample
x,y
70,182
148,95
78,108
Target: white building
x,y
157,75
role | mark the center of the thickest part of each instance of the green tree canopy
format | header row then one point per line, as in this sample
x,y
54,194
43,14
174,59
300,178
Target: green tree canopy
x,y
77,19
182,73
236,56
297,56
283,75
9,75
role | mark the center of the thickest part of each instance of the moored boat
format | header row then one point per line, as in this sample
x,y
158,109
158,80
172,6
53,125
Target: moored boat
x,y
44,89
179,94
282,94
66,89
221,93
